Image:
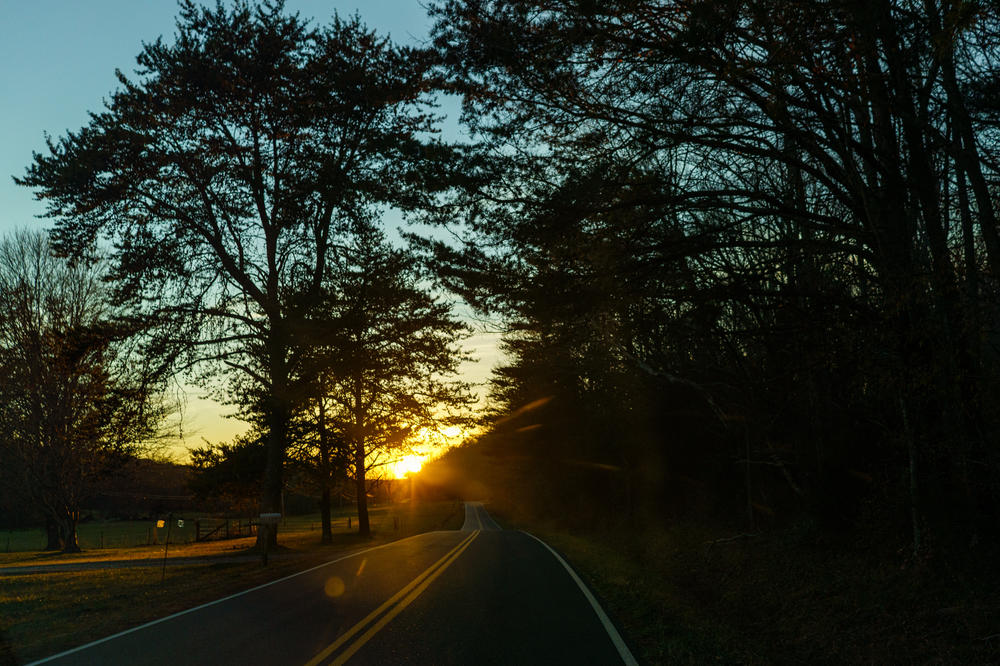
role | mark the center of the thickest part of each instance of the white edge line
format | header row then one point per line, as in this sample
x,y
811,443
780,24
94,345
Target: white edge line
x,y
217,601
616,638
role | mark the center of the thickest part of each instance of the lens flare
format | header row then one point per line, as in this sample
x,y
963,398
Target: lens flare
x,y
334,587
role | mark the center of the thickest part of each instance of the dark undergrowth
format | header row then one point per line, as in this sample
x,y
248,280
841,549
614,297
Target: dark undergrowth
x,y
697,593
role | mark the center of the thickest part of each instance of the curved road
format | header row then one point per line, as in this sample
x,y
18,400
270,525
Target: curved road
x,y
480,595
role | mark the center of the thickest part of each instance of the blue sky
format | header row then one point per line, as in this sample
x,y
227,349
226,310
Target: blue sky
x,y
58,59
57,63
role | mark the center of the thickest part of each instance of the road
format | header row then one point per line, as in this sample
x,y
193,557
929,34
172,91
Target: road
x,y
479,595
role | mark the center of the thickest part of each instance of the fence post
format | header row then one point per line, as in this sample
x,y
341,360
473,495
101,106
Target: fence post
x,y
166,545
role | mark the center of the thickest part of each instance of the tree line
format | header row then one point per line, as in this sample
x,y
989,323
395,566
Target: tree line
x,y
748,250
744,252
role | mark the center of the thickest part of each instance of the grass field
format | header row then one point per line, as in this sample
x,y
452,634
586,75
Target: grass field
x,y
42,614
123,533
103,540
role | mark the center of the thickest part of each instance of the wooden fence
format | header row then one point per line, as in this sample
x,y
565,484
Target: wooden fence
x,y
208,529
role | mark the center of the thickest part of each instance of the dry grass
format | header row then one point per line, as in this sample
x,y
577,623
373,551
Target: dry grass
x,y
42,614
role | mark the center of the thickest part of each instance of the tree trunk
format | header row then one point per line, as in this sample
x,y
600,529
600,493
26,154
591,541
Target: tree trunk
x,y
911,454
969,162
969,251
364,529
271,495
277,419
67,529
324,470
324,511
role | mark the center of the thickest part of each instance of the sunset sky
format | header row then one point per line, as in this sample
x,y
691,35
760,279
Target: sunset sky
x,y
59,63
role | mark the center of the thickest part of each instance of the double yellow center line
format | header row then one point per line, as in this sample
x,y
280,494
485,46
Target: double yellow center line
x,y
378,618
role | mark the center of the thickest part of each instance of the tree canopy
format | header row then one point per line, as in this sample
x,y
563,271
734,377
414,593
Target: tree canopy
x,y
223,175
782,210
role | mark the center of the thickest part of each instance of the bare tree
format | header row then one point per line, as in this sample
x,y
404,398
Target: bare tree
x,y
77,398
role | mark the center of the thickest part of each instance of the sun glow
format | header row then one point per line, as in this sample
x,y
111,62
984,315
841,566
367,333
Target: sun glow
x,y
424,444
410,464
437,437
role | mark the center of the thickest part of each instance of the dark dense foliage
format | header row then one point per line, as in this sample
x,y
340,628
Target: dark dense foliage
x,y
748,250
229,475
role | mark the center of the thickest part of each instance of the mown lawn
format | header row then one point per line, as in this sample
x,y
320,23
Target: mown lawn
x,y
43,614
97,534
128,539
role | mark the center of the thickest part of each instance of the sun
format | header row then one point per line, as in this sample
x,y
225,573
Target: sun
x,y
406,465
425,443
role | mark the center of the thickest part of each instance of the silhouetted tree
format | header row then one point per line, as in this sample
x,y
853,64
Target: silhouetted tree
x,y
230,474
222,174
77,398
321,451
386,352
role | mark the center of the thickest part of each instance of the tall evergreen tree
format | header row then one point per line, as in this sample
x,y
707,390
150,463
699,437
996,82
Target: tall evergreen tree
x,y
386,354
222,173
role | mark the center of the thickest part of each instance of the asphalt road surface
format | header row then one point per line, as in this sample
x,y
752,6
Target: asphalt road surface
x,y
480,595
